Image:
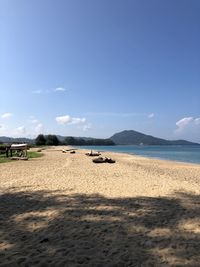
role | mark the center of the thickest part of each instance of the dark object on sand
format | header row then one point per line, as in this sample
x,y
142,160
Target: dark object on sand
x,y
93,154
103,160
44,240
19,158
67,150
72,152
109,160
99,160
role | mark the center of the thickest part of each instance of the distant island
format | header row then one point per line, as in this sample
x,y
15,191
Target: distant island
x,y
136,138
127,137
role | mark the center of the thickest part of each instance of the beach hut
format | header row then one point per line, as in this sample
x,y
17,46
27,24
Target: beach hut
x,y
20,149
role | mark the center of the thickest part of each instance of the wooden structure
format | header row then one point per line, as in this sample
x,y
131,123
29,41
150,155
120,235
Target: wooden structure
x,y
19,149
5,149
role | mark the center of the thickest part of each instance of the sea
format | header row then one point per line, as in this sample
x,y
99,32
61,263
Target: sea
x,y
185,153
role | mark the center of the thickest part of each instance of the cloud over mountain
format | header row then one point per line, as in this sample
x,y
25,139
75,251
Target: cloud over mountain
x,y
186,123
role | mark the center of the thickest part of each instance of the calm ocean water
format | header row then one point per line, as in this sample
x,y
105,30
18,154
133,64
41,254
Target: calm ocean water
x,y
177,153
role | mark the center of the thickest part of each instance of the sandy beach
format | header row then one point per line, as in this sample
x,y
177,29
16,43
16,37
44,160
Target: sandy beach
x,y
64,210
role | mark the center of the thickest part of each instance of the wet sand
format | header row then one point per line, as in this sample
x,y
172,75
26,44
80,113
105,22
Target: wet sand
x,y
64,210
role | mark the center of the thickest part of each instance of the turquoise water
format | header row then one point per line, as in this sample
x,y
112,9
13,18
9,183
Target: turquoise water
x,y
178,153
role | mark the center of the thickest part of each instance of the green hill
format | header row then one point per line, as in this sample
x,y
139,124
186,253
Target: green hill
x,y
136,138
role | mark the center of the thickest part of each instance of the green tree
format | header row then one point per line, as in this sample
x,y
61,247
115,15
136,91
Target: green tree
x,y
70,140
52,140
40,140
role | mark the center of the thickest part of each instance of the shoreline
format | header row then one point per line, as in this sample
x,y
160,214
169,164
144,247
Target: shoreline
x,y
140,156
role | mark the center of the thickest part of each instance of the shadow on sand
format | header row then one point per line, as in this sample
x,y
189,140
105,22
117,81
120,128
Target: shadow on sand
x,y
38,228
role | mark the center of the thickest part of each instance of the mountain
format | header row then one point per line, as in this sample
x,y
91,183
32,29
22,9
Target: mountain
x,y
136,138
8,140
5,139
123,138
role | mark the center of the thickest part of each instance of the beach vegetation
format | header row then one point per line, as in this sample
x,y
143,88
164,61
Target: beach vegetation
x,y
34,154
30,155
3,158
70,141
87,142
52,140
40,140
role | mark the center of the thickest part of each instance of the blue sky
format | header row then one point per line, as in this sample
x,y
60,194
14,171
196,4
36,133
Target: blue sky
x,y
94,68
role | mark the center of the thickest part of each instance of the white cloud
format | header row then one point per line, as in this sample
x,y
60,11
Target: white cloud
x,y
78,120
152,115
66,119
48,91
63,119
86,127
183,123
197,121
60,89
34,121
188,128
21,130
38,128
6,115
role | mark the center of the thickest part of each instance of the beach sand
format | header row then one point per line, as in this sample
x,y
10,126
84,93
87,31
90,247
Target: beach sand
x,y
64,210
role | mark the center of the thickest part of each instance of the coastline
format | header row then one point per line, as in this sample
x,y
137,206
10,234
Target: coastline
x,y
64,210
189,154
137,155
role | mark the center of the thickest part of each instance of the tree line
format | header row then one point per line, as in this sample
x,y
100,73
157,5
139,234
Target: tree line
x,y
52,140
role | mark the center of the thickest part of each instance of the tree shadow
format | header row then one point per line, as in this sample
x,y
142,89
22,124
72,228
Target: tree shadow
x,y
45,228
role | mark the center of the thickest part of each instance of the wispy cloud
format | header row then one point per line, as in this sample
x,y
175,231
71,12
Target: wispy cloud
x,y
38,128
59,89
66,119
48,91
6,115
86,127
21,130
186,123
34,121
197,121
150,116
30,131
115,114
